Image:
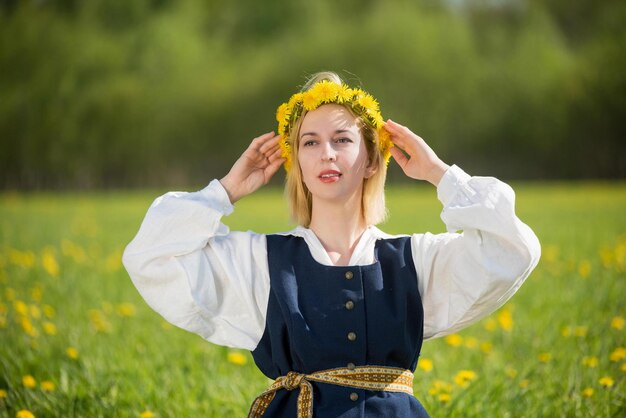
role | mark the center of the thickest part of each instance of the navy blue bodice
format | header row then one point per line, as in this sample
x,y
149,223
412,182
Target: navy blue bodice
x,y
322,317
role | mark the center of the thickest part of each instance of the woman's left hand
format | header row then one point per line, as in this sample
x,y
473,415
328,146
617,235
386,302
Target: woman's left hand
x,y
421,163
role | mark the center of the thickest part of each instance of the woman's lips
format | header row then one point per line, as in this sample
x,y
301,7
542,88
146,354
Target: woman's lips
x,y
329,176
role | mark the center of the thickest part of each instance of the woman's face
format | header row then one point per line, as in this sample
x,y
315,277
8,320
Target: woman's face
x,y
332,154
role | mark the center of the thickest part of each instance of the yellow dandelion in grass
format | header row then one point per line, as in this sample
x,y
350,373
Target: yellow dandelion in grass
x,y
471,342
24,413
237,358
29,381
125,309
444,397
584,269
545,357
566,331
587,392
590,361
3,393
464,377
440,386
49,262
455,340
47,386
524,383
425,364
510,371
606,381
71,353
505,319
22,258
36,293
486,347
618,354
146,414
21,308
623,367
3,322
49,328
48,311
35,312
3,309
98,321
618,322
581,331
28,327
550,253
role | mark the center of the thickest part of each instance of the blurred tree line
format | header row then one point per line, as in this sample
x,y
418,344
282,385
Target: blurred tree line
x,y
117,93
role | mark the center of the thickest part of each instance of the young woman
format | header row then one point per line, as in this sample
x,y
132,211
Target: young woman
x,y
335,310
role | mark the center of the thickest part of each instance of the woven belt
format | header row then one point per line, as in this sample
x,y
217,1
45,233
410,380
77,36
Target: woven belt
x,y
389,379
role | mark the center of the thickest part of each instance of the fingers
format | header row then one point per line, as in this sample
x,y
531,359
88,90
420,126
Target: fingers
x,y
399,156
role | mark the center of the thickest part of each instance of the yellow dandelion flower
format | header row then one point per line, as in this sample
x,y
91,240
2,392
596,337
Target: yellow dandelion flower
x,y
486,347
606,381
35,312
310,99
618,322
3,309
99,321
584,269
454,340
71,353
327,91
581,331
36,293
237,358
444,397
425,364
28,327
618,354
544,357
47,386
505,319
29,381
24,413
22,258
368,102
550,253
3,322
566,331
49,262
48,311
9,294
587,392
344,94
146,414
113,262
524,383
3,393
125,309
491,324
464,377
21,308
590,361
510,371
471,342
282,113
49,328
623,368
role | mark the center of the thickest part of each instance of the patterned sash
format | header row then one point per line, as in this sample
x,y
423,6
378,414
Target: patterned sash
x,y
389,379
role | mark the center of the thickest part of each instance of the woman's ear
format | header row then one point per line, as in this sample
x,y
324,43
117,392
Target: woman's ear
x,y
370,170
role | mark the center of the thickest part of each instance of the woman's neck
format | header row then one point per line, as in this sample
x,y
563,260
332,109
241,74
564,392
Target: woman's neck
x,y
338,228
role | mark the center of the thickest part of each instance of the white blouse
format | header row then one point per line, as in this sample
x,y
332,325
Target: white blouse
x,y
207,280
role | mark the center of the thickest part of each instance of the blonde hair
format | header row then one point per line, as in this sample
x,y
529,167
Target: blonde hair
x,y
373,197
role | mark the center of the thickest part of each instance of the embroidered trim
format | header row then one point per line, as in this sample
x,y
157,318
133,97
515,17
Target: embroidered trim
x,y
390,379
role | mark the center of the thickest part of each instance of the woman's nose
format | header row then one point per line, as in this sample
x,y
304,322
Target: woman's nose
x,y
328,152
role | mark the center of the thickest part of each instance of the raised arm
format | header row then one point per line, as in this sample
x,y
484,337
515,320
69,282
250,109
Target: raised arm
x,y
488,252
196,274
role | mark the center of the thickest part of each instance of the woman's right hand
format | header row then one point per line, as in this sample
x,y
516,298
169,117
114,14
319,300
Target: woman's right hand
x,y
256,166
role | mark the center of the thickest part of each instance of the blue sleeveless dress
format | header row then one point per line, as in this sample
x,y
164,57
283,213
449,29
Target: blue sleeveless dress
x,y
322,317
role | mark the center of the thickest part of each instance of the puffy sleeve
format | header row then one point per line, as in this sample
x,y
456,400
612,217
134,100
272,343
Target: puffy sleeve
x,y
474,268
197,275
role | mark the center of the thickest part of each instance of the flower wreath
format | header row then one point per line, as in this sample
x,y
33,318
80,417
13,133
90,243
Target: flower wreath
x,y
362,104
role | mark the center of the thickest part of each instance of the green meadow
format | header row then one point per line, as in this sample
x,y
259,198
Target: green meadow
x,y
76,339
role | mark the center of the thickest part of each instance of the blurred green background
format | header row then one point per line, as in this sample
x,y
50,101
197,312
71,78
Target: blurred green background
x,y
117,93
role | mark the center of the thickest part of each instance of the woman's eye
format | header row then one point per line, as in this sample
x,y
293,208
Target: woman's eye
x,y
308,143
343,140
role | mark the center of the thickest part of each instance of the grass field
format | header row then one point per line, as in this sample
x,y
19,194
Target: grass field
x,y
76,340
